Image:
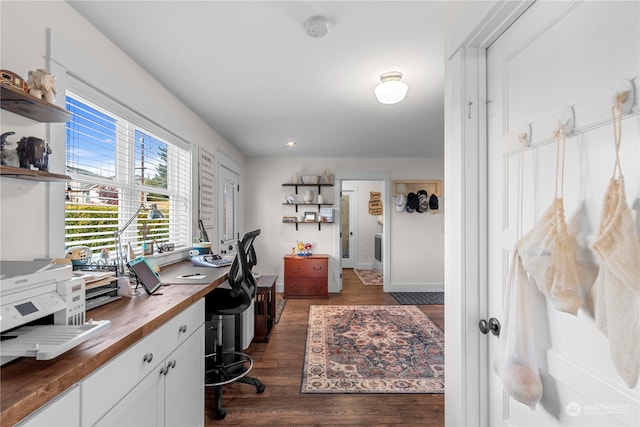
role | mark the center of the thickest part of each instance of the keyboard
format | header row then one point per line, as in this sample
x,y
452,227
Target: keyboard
x,y
210,261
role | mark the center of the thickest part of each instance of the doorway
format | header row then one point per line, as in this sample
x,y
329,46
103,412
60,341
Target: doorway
x,y
349,232
356,235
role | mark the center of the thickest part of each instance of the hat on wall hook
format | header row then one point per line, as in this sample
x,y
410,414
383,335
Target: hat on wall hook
x,y
317,26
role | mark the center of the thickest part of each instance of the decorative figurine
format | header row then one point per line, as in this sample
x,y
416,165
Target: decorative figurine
x,y
34,151
42,85
3,142
10,78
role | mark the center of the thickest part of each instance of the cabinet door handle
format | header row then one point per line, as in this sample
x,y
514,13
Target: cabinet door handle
x,y
165,370
183,328
317,268
148,357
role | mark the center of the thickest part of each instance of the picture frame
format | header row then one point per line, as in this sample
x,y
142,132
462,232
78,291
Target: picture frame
x,y
310,216
326,214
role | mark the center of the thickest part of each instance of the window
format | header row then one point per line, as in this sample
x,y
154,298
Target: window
x,y
121,167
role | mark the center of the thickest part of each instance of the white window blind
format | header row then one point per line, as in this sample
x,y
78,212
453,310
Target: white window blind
x,y
118,164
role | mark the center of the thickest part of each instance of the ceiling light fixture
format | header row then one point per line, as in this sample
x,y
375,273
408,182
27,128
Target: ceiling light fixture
x,y
317,26
291,144
391,90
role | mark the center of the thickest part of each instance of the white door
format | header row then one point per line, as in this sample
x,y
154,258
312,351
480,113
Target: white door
x,y
556,54
228,209
349,226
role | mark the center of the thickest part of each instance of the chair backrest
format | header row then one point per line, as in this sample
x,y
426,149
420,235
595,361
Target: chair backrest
x,y
242,282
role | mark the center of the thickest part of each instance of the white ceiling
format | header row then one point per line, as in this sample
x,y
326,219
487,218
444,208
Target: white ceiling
x,y
250,70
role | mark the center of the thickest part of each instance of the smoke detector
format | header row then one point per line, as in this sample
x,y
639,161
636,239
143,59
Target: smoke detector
x,y
317,26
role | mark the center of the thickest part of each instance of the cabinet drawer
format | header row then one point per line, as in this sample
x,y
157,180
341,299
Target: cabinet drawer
x,y
105,387
305,286
314,267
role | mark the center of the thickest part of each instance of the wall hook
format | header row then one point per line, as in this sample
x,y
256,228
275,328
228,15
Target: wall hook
x,y
566,121
524,135
626,94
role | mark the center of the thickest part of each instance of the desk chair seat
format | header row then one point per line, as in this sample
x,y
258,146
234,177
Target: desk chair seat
x,y
232,366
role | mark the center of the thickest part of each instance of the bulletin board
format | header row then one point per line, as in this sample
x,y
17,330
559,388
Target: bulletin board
x,y
206,188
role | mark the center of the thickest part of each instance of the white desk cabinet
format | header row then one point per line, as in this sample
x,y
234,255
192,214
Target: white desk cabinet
x,y
171,395
63,411
158,381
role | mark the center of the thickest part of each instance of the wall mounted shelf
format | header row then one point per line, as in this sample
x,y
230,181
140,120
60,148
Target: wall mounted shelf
x,y
413,186
22,103
33,175
314,204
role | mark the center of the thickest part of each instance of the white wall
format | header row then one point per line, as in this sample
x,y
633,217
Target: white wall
x,y
417,240
29,212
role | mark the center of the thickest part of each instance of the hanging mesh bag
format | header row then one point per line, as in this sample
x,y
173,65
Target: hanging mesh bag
x,y
516,364
615,295
548,250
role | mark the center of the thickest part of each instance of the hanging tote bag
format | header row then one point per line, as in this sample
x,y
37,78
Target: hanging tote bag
x,y
548,250
615,295
517,364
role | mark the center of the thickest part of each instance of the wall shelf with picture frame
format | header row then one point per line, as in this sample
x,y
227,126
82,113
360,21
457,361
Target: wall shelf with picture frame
x,y
324,213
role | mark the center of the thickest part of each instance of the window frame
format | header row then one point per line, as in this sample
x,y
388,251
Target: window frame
x,y
179,168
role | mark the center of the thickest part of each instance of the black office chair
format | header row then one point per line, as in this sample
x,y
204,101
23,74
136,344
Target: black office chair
x,y
226,367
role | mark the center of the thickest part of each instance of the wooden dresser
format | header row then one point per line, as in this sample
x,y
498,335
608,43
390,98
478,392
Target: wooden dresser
x,y
306,276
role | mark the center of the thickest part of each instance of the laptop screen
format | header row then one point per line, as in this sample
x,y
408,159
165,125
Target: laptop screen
x,y
146,276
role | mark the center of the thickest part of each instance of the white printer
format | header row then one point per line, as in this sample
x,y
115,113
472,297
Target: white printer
x,y
31,290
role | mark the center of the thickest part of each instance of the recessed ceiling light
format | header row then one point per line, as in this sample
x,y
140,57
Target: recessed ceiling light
x,y
291,144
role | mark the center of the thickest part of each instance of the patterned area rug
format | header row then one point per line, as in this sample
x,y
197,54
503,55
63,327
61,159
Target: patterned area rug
x,y
372,349
369,277
280,303
418,298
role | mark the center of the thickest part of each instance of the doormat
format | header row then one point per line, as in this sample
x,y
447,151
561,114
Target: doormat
x,y
280,303
369,277
372,349
418,298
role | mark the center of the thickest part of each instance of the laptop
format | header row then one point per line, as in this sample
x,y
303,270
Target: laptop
x,y
148,278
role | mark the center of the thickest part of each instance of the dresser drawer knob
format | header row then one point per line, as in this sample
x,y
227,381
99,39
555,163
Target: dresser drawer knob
x,y
183,328
148,357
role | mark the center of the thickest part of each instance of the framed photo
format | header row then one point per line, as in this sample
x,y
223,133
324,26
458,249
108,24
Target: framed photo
x,y
326,214
310,216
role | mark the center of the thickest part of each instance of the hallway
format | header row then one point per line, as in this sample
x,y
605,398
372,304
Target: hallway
x,y
279,365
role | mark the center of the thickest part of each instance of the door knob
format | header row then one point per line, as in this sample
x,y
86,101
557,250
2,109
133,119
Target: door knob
x,y
492,325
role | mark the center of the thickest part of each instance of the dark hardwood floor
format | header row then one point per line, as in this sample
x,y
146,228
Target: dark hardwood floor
x,y
278,364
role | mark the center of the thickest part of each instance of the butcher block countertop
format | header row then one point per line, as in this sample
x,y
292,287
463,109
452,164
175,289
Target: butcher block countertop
x,y
26,384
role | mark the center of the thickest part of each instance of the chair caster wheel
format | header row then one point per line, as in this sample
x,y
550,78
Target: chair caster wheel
x,y
260,388
221,414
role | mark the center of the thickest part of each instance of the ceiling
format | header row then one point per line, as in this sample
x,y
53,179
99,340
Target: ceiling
x,y
266,82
